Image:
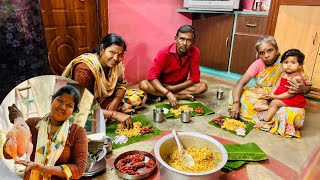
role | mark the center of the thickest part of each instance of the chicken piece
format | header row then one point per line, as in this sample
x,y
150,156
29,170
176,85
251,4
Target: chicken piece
x,y
19,140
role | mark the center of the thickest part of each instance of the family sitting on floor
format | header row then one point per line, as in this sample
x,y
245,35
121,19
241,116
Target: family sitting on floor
x,y
175,74
275,104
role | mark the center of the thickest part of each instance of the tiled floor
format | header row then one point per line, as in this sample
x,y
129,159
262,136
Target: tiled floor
x,y
289,158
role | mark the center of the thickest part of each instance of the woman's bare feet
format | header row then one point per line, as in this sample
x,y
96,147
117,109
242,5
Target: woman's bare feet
x,y
185,96
260,107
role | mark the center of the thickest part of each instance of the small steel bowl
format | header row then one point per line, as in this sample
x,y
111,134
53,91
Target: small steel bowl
x,y
128,176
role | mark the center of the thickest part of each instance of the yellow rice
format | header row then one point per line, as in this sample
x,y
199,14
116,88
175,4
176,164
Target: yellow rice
x,y
178,111
204,160
232,124
135,131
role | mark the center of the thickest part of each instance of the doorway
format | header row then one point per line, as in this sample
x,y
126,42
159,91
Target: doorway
x,y
72,27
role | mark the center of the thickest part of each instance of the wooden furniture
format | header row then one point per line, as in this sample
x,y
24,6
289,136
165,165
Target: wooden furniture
x,y
213,38
302,33
299,27
249,28
227,39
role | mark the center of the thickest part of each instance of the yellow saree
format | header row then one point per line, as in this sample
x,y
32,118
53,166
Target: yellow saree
x,y
105,86
286,121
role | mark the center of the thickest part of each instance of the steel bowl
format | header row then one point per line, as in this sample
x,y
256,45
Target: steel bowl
x,y
128,176
167,144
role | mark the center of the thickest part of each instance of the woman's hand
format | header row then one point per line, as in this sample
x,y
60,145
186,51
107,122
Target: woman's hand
x,y
114,105
234,112
297,86
125,119
31,165
173,100
14,112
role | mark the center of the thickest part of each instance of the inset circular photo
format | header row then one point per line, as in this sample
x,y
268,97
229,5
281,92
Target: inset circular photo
x,y
46,124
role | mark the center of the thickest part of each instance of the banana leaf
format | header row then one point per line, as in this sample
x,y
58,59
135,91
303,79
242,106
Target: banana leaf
x,y
232,165
247,123
245,152
194,105
110,131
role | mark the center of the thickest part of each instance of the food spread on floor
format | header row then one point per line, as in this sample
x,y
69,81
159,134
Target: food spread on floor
x,y
238,127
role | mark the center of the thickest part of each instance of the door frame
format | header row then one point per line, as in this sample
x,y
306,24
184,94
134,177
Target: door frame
x,y
103,25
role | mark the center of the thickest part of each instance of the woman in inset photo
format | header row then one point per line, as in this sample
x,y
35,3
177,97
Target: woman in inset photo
x,y
55,142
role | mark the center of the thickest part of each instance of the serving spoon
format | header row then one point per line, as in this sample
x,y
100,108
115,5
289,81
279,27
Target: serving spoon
x,y
184,157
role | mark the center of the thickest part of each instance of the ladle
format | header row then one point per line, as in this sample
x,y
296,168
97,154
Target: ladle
x,y
184,157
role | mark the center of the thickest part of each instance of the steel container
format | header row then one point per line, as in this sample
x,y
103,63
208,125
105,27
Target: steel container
x,y
185,116
158,115
219,95
167,144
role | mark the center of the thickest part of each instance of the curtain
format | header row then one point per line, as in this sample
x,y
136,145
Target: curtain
x,y
23,51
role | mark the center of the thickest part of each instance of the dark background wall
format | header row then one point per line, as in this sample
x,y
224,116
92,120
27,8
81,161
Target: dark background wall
x,y
23,51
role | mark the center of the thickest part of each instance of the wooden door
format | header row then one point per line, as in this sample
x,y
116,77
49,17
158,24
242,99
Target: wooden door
x,y
298,27
213,38
71,28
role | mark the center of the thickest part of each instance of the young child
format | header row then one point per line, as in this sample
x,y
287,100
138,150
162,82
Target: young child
x,y
292,61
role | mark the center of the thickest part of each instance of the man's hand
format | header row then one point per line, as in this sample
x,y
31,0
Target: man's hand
x,y
14,112
173,100
297,86
169,87
234,112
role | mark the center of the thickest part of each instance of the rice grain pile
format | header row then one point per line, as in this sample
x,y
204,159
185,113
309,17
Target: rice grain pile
x,y
178,111
204,160
232,124
135,131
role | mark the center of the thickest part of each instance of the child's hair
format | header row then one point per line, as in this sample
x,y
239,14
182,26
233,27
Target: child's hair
x,y
295,53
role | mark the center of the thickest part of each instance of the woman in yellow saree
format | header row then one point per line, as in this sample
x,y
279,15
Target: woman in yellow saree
x,y
266,72
102,73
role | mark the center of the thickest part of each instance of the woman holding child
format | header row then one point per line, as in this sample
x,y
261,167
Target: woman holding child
x,y
246,102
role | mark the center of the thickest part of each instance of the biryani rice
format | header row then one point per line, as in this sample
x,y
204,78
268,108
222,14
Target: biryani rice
x,y
135,131
204,159
178,111
232,124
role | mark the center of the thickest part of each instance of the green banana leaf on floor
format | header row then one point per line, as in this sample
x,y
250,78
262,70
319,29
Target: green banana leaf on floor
x,y
194,105
110,131
240,154
247,123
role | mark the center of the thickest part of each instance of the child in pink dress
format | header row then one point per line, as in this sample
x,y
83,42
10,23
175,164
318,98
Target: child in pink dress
x,y
292,61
